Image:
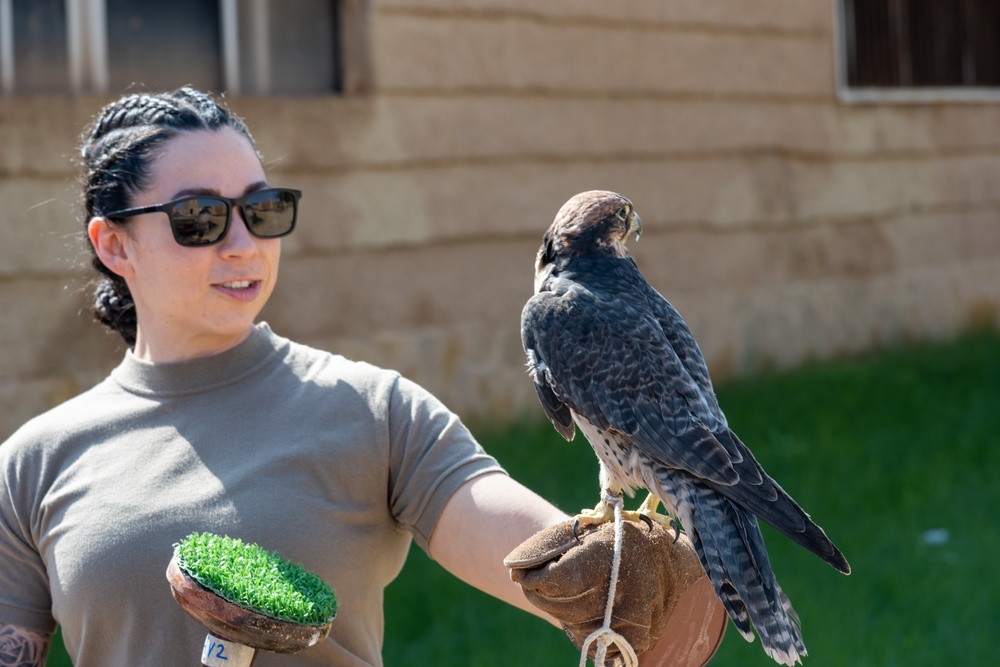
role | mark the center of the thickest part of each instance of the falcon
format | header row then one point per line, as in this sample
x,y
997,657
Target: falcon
x,y
610,356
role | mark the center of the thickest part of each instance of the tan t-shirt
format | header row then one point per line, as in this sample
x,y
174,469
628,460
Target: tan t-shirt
x,y
332,463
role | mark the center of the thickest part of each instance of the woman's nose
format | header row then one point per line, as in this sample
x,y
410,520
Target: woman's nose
x,y
239,239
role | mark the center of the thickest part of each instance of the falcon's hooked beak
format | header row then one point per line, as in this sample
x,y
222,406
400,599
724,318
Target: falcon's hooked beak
x,y
634,225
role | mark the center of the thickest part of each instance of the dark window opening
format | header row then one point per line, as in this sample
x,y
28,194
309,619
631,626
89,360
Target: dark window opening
x,y
922,43
39,54
257,47
290,47
163,45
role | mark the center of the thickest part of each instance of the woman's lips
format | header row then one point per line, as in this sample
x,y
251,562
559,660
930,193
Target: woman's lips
x,y
241,290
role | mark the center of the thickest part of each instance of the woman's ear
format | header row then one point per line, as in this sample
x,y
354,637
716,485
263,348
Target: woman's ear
x,y
109,244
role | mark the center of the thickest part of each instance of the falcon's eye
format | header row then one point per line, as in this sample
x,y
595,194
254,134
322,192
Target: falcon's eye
x,y
622,213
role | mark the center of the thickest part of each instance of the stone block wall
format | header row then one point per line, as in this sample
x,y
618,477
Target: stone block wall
x,y
784,225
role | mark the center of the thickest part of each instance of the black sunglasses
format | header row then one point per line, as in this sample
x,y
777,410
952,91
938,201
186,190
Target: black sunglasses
x,y
204,219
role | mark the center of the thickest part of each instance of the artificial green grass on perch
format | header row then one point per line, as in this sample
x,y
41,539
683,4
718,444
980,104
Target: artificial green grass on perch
x,y
248,598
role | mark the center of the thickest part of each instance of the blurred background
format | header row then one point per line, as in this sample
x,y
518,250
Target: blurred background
x,y
818,181
816,178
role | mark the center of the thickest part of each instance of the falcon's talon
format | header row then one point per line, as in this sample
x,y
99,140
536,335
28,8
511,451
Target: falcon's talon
x,y
647,512
677,529
602,513
605,513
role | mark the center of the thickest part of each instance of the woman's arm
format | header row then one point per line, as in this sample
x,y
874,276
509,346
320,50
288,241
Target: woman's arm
x,y
492,514
481,524
21,647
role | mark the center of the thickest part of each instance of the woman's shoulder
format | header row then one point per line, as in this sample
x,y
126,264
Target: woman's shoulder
x,y
331,371
325,370
329,368
64,420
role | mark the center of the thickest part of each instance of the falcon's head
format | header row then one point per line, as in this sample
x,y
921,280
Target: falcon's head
x,y
593,222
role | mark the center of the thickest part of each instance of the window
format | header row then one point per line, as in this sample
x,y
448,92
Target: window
x,y
305,34
164,44
918,49
277,47
37,58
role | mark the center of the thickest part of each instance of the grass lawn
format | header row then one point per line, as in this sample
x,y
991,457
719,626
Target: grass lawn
x,y
896,456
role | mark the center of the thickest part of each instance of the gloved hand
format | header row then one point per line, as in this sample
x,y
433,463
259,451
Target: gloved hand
x,y
569,579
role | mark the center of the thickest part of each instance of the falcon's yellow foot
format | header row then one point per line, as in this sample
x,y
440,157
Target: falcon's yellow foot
x,y
605,512
647,511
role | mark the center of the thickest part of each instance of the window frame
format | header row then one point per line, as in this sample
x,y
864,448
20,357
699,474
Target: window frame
x,y
895,95
87,47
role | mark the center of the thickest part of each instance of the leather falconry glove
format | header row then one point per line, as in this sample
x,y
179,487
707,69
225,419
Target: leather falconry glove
x,y
569,578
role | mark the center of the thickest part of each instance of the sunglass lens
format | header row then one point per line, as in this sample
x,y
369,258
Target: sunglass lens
x,y
270,213
199,221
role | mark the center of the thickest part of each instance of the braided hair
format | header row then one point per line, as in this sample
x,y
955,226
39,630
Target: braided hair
x,y
117,151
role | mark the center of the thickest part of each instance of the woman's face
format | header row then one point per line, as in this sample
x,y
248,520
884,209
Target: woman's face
x,y
193,302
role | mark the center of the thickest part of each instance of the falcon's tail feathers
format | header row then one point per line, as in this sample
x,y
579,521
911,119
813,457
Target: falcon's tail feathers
x,y
764,497
731,548
810,535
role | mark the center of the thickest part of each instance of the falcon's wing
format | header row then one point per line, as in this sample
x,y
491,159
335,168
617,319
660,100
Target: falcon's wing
x,y
682,342
608,359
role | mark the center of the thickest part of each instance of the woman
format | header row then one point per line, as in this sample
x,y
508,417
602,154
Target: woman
x,y
214,423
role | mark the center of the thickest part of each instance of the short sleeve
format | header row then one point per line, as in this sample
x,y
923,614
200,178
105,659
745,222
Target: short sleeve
x,y
25,598
432,454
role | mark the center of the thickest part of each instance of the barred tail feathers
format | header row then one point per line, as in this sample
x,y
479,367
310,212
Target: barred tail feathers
x,y
763,496
731,548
